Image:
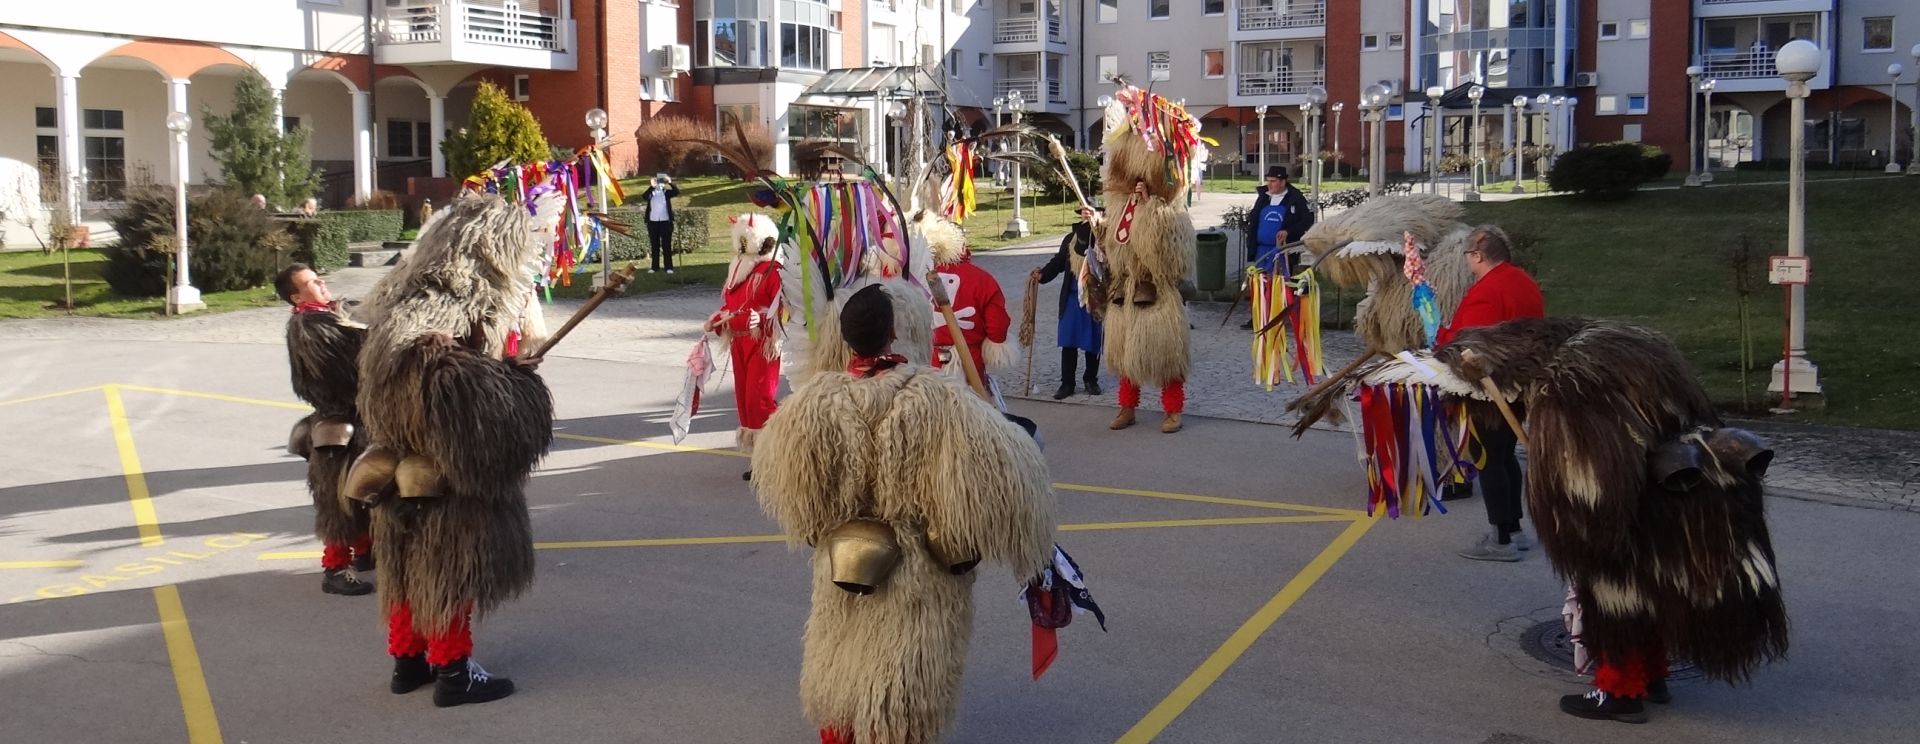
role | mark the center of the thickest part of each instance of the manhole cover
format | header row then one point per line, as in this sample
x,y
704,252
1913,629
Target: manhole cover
x,y
1548,641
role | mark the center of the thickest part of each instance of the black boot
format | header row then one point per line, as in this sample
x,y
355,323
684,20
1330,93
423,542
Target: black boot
x,y
465,682
1068,356
1657,692
343,581
363,561
409,673
1599,706
1093,374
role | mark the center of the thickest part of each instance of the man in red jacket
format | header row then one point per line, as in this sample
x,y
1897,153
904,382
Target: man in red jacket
x,y
1501,292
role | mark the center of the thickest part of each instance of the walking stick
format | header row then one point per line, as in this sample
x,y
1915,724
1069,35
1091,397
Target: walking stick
x,y
1506,412
615,285
1027,312
960,350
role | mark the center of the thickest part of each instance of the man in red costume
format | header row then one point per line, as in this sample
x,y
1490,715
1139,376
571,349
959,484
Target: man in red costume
x,y
750,322
1501,292
978,304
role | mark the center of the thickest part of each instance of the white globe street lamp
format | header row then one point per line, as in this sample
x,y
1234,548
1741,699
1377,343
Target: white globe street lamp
x,y
1694,74
1316,98
183,298
596,120
1797,61
1519,138
1434,92
1261,111
1373,101
1016,227
1893,117
1475,147
1338,158
1913,159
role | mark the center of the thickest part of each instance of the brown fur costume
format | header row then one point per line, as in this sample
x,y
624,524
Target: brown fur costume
x,y
1363,248
1145,343
1642,497
323,349
913,448
433,383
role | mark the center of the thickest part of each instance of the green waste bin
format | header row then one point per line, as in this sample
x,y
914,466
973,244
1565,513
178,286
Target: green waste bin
x,y
1211,261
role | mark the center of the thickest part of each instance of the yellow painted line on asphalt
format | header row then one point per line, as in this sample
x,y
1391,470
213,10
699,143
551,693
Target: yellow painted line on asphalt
x,y
663,446
217,396
1342,513
60,394
41,564
659,542
195,701
1213,522
137,495
1177,702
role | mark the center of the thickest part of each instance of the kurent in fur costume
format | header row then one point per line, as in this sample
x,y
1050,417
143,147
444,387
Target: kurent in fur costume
x,y
1148,238
323,349
902,480
456,423
978,303
750,322
1363,249
1645,501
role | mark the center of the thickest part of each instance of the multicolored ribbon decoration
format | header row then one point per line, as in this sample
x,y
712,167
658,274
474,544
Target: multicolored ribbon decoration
x,y
1424,304
957,203
1413,439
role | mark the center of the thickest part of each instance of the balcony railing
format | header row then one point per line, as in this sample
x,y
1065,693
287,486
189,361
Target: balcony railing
x,y
1028,88
495,22
1020,30
1055,92
1280,83
1738,65
1279,15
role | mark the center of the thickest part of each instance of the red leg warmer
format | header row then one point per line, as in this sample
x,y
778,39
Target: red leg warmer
x,y
830,736
1628,676
401,640
1173,397
336,556
1129,394
451,645
363,545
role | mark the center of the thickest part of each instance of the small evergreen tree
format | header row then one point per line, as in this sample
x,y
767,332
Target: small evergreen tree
x,y
498,129
256,156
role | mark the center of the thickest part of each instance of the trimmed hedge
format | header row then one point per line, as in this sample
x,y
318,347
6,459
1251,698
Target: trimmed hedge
x,y
1610,171
690,231
324,237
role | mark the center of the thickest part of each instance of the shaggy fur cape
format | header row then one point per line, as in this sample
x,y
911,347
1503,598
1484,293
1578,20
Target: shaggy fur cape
x,y
1687,563
433,383
1363,248
1146,344
323,350
914,449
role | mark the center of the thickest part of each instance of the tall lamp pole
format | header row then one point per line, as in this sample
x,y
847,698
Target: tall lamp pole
x,y
1797,61
1340,156
1893,117
1545,103
597,126
1475,161
1433,125
1706,129
184,298
1694,74
1519,144
1016,227
1261,111
1373,104
1316,97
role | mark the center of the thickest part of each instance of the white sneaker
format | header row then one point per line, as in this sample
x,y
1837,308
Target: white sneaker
x,y
1521,541
650,271
669,271
1490,549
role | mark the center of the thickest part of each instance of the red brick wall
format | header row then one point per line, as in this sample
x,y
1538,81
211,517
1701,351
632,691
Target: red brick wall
x,y
1343,78
1589,126
853,32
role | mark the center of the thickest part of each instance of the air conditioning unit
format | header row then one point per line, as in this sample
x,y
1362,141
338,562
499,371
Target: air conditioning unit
x,y
676,58
1395,87
1586,80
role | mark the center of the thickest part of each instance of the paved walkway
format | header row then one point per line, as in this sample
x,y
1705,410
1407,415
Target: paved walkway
x,y
1869,467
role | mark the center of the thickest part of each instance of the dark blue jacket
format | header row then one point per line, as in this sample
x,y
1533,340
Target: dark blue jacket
x,y
1299,217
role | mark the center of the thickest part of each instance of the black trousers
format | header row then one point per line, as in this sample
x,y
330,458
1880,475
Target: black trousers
x,y
660,234
1500,482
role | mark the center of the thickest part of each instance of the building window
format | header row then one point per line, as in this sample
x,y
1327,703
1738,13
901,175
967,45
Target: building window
x,y
1159,8
1213,62
289,123
104,153
1630,133
1159,65
46,143
1607,105
985,60
1878,36
522,88
953,64
1109,11
1609,30
805,47
1369,42
1108,67
1215,7
1396,41
1396,110
1636,104
1639,28
408,139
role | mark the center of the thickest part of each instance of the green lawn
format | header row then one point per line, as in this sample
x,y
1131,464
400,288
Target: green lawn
x,y
1659,259
31,287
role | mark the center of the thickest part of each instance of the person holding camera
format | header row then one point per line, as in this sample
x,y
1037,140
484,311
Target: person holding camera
x,y
659,200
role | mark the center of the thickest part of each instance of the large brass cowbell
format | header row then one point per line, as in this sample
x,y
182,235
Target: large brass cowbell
x,y
861,554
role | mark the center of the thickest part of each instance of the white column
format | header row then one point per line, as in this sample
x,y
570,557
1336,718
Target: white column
x,y
362,146
1506,125
437,124
280,108
177,103
72,172
1562,26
